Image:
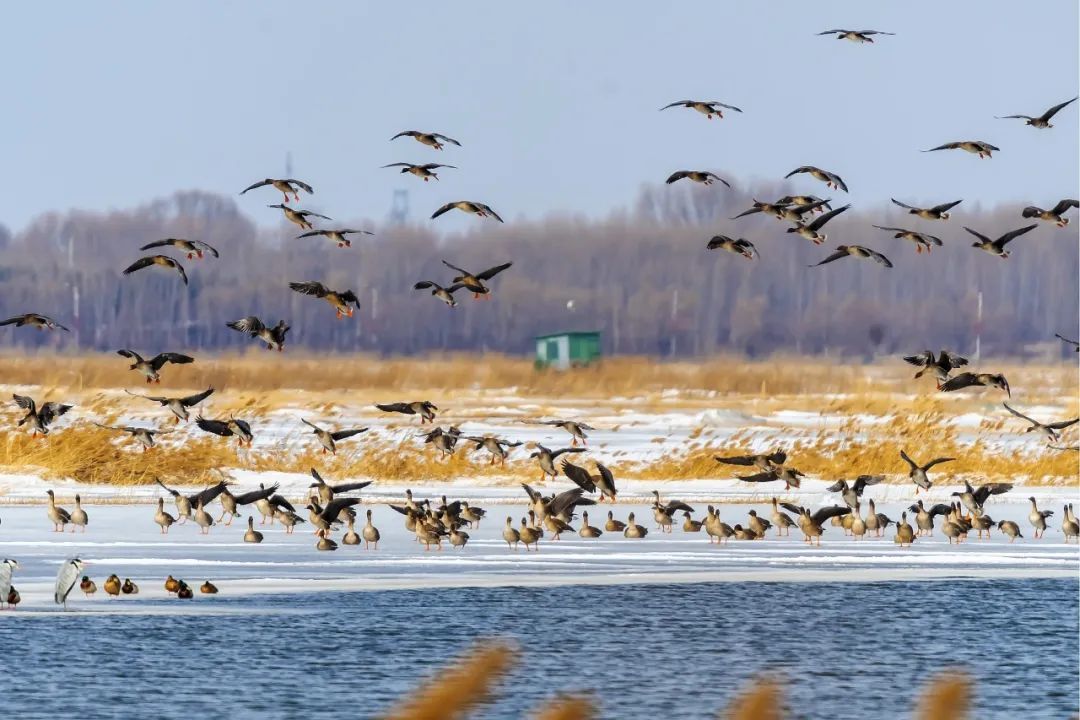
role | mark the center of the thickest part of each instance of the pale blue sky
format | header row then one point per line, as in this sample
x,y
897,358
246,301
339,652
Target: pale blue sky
x,y
110,104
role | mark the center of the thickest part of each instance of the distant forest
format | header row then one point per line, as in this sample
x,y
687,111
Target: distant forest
x,y
641,276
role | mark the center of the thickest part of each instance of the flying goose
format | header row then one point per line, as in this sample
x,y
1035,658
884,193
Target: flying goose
x,y
39,418
41,322
810,230
700,176
858,251
151,368
66,577
1054,214
856,36
424,408
227,428
936,212
765,463
976,147
192,248
177,405
604,482
328,492
969,379
421,171
1050,430
790,476
1074,343
446,294
575,428
337,236
328,439
997,247
434,140
738,246
286,187
495,446
766,207
145,436
793,212
918,472
162,260
445,441
939,366
545,457
340,300
921,240
1043,121
476,208
708,108
974,498
851,493
475,283
829,178
274,337
298,217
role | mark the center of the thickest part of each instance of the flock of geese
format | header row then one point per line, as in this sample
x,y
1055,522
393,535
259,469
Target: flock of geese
x,y
331,507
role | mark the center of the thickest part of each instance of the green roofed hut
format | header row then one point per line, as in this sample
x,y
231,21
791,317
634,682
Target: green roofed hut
x,y
567,349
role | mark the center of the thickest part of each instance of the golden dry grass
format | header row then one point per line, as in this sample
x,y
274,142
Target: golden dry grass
x,y
460,688
760,702
947,698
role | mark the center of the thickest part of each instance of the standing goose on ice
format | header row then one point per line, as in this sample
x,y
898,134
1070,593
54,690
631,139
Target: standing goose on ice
x,y
855,251
299,217
432,140
975,147
286,187
41,322
997,247
273,336
151,369
969,379
708,108
177,405
852,492
831,179
371,535
337,236
192,248
1038,517
1054,214
159,260
1049,430
66,579
1043,121
344,302
918,472
328,439
936,212
58,515
855,36
921,240
699,176
468,206
810,230
252,535
474,283
974,498
39,418
424,172
79,518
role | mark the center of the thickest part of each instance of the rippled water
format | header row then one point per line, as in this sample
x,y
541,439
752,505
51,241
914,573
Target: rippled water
x,y
672,651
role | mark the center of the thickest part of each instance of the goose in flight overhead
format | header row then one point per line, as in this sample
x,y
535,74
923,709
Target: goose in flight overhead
x,y
446,294
793,212
475,208
192,248
545,457
1043,121
328,439
775,208
1054,214
434,140
851,492
39,418
699,176
337,236
790,476
327,492
936,212
917,472
856,36
227,428
145,436
298,217
475,283
1049,430
940,366
41,322
151,368
997,247
421,171
921,240
831,179
342,301
810,230
857,251
969,379
274,336
818,204
738,246
285,187
424,408
708,108
177,405
161,260
975,147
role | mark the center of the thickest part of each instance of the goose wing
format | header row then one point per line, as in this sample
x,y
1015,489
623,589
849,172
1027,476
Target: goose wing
x,y
159,360
312,288
825,513
820,221
579,476
493,271
217,427
193,400
1020,414
1013,234
259,184
839,254
1064,205
250,324
1054,110
342,434
255,495
348,487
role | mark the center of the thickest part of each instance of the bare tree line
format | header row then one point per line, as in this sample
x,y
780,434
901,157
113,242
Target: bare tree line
x,y
643,277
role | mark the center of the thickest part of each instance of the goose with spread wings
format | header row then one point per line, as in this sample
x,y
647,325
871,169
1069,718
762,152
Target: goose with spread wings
x,y
545,457
192,248
327,492
343,301
337,236
474,283
851,492
1054,214
921,240
1049,430
793,212
151,369
935,212
446,294
159,260
286,187
1042,121
855,36
917,472
299,217
810,230
969,379
975,147
431,139
997,247
424,172
856,251
974,498
468,206
940,366
708,108
41,322
699,176
790,476
831,179
424,408
273,336
329,439
227,428
39,417
178,406
145,436
739,246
